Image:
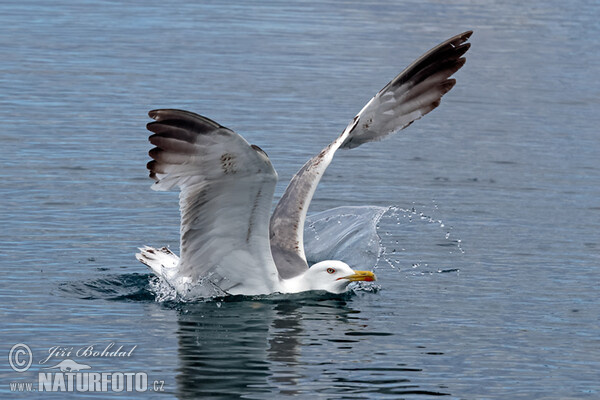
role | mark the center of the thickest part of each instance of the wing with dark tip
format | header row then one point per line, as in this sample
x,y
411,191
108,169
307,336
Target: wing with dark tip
x,y
226,193
413,93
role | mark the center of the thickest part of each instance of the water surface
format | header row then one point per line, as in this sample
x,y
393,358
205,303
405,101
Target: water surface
x,y
489,281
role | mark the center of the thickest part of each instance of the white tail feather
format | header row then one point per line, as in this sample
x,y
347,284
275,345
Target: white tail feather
x,y
163,262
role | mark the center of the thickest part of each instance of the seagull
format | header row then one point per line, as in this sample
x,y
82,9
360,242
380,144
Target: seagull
x,y
229,242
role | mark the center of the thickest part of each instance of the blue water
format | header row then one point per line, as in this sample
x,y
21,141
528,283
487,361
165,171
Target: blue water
x,y
488,286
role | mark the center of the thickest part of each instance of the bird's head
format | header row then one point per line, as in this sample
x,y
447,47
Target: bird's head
x,y
334,276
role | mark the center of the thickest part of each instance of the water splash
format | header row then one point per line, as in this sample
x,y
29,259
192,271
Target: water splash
x,y
162,290
348,234
372,237
408,236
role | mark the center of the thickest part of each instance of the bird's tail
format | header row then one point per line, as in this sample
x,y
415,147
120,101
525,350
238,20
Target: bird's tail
x,y
163,262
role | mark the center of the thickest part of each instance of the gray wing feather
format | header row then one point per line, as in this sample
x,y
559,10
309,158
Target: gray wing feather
x,y
413,93
287,221
226,194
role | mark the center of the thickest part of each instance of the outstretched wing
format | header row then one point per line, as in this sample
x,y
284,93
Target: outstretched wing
x,y
227,189
413,93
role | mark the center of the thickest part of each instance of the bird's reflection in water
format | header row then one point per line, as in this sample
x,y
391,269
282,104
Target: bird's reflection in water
x,y
234,348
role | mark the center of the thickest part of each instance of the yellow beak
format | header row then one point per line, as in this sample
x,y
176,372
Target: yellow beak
x,y
360,276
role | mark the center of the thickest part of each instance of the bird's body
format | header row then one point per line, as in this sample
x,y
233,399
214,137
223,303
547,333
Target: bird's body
x,y
230,244
164,263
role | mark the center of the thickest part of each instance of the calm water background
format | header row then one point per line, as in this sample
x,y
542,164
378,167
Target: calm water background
x,y
509,163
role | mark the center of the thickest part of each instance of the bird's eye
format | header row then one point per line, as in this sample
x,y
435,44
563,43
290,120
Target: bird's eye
x,y
330,270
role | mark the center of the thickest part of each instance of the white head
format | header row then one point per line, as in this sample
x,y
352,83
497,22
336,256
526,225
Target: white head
x,y
334,276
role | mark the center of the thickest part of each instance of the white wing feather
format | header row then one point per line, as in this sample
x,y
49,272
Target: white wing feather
x,y
413,93
227,189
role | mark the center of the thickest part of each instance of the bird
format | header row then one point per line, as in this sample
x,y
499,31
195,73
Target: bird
x,y
230,244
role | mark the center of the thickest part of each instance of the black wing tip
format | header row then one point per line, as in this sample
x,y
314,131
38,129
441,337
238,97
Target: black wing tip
x,y
256,148
448,54
446,86
462,49
161,114
459,42
461,37
467,34
155,153
152,167
460,62
149,125
458,45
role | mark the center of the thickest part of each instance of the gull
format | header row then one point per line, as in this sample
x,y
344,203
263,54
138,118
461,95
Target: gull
x,y
229,242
